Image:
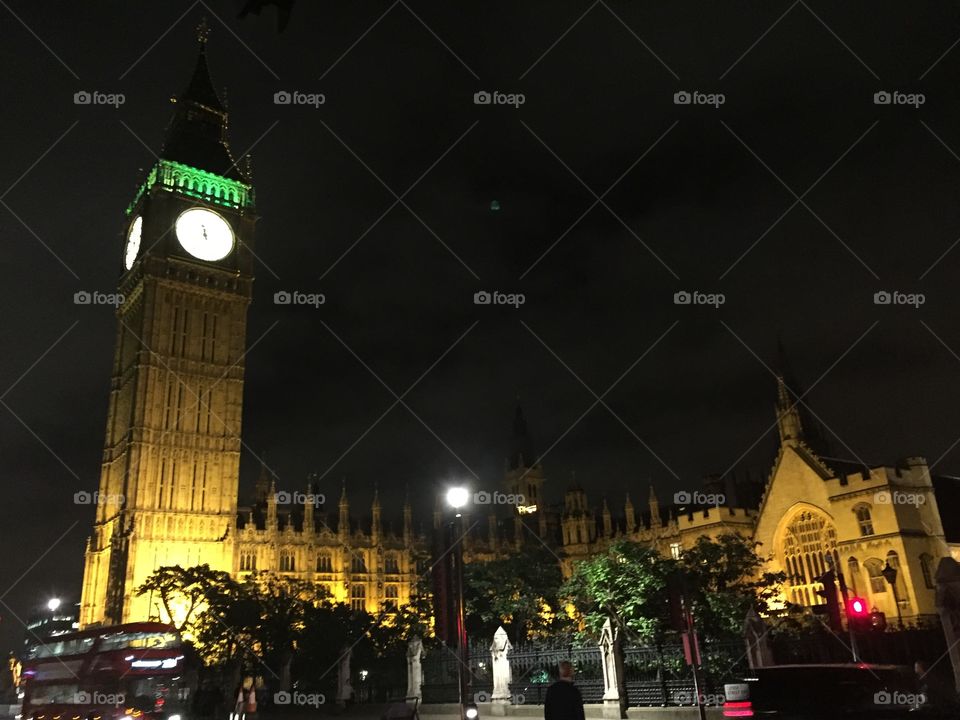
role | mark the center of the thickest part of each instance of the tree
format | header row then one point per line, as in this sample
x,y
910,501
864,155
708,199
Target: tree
x,y
521,592
726,578
182,591
625,584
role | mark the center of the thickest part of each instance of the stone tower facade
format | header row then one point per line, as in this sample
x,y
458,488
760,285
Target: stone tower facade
x,y
168,484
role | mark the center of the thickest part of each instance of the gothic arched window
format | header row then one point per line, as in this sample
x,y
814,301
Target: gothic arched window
x,y
357,563
324,563
807,542
864,519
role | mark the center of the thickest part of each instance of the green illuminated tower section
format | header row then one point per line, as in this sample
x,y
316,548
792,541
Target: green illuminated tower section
x,y
168,484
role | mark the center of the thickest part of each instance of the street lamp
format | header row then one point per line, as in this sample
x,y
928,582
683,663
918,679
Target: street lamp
x,y
457,498
890,575
53,603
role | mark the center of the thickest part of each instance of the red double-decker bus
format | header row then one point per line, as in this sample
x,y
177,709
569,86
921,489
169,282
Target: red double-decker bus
x,y
136,671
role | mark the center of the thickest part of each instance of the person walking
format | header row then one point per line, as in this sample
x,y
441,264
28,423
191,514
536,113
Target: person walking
x,y
563,701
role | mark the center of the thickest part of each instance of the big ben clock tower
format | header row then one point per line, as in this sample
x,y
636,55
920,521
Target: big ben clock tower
x,y
168,483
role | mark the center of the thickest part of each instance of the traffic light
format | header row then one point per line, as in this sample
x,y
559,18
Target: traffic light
x,y
858,613
829,594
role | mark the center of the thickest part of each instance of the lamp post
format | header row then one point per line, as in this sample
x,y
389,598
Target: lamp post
x,y
457,498
890,575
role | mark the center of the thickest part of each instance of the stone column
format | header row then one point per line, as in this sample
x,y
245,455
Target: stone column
x,y
611,682
500,664
414,669
948,605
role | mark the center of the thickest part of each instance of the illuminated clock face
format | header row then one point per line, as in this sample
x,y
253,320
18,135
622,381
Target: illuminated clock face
x,y
204,234
132,249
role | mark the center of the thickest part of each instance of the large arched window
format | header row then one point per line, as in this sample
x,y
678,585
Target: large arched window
x,y
864,519
324,563
806,543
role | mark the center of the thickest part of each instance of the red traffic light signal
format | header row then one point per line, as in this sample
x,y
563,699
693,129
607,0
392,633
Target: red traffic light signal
x,y
857,607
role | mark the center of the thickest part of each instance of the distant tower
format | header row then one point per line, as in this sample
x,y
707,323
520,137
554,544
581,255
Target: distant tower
x,y
524,475
654,509
168,480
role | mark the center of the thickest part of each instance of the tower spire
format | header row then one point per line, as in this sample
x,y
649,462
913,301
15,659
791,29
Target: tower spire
x,y
787,407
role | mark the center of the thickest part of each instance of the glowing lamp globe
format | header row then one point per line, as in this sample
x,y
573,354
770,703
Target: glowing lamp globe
x,y
457,497
53,604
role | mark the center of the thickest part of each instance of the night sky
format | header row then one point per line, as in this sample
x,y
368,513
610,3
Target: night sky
x,y
797,199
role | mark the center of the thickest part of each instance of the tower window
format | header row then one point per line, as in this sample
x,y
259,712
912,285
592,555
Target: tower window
x,y
357,563
287,563
358,597
675,550
391,565
248,561
864,520
392,595
324,563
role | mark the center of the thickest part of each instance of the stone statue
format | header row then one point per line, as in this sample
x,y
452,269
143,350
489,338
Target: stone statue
x,y
499,654
344,688
414,668
611,686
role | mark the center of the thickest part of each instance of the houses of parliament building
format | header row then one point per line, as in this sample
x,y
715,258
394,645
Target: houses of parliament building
x,y
172,445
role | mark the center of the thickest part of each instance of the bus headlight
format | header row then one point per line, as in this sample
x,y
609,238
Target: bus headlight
x,y
173,717
470,712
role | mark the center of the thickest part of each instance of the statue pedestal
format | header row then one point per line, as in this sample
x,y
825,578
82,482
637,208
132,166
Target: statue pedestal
x,y
498,707
611,708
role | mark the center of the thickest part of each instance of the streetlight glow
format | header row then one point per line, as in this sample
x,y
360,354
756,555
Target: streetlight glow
x,y
457,497
53,604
